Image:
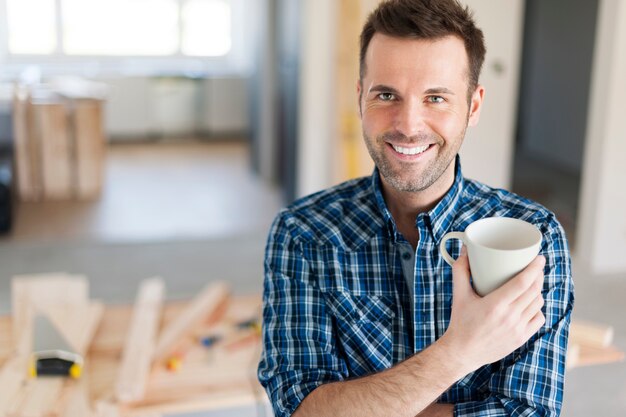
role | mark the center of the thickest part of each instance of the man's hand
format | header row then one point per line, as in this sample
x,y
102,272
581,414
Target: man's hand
x,y
483,330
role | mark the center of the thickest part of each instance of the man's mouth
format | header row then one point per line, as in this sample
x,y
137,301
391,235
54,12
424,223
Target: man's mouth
x,y
409,151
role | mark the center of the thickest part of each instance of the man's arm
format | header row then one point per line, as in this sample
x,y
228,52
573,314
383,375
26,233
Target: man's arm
x,y
481,331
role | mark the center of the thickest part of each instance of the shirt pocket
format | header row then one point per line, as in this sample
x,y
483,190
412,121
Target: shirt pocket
x,y
363,328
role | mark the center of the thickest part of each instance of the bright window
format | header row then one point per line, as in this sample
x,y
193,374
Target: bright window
x,y
120,27
31,26
206,28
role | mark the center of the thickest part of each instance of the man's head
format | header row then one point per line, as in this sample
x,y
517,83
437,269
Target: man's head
x,y
418,90
426,19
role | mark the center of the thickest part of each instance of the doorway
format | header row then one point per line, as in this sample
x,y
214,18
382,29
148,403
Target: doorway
x,y
559,39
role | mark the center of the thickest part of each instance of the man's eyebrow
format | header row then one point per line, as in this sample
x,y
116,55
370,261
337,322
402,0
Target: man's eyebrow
x,y
383,88
439,90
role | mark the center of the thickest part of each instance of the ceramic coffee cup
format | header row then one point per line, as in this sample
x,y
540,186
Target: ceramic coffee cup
x,y
498,249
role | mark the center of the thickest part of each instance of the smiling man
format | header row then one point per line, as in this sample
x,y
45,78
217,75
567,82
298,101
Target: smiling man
x,y
362,316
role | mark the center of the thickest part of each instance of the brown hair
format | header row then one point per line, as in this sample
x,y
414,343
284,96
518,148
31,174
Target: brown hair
x,y
427,19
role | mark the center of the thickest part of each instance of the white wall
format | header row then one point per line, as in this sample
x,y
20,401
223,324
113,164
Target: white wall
x,y
317,131
602,220
487,153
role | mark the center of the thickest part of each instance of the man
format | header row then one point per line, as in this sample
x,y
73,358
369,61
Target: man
x,y
362,317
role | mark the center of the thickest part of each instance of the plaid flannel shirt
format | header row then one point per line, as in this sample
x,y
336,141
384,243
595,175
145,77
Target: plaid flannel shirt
x,y
340,301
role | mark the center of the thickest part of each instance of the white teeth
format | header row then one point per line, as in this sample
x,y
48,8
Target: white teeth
x,y
410,151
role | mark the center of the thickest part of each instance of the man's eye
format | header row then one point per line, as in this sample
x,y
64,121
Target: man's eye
x,y
436,99
386,96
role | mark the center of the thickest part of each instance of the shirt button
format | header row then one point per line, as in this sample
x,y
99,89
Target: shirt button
x,y
406,256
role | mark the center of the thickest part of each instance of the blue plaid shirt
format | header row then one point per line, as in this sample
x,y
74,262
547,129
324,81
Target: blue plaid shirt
x,y
345,295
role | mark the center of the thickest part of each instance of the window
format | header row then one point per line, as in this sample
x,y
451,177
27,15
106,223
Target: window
x,y
110,28
31,33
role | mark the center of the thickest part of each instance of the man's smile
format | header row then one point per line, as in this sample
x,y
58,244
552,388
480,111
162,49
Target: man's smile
x,y
408,152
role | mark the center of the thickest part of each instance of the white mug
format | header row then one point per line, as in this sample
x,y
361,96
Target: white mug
x,y
498,249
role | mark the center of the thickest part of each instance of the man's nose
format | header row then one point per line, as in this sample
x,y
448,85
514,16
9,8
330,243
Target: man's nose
x,y
409,119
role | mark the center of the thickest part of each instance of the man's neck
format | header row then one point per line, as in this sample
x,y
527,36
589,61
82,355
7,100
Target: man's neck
x,y
405,206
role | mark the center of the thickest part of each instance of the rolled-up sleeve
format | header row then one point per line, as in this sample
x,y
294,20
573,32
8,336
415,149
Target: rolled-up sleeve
x,y
299,352
529,382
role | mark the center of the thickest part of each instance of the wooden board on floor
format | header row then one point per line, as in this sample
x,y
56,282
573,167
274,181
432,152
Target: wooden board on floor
x,y
140,342
31,291
205,304
209,379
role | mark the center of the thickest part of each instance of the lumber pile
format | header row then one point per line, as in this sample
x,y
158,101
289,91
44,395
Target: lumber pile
x,y
591,344
152,358
59,140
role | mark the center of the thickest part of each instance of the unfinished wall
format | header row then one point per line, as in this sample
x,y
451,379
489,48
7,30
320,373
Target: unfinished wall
x,y
602,222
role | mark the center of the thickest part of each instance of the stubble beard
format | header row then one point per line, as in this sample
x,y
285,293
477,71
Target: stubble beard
x,y
392,173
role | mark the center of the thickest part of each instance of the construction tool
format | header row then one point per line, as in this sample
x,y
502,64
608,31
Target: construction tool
x,y
52,354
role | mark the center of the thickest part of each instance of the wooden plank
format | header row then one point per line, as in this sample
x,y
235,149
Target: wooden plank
x,y
26,151
232,397
140,343
208,302
222,368
42,289
6,338
73,400
39,396
89,143
76,322
591,334
52,128
106,409
49,288
12,375
591,355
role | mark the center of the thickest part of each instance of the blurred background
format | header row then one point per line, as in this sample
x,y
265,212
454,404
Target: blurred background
x,y
180,127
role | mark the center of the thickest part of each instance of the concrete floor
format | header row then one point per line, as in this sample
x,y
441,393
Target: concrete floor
x,y
193,212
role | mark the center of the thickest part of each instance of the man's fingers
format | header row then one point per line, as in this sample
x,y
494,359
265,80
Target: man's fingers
x,y
527,297
461,275
533,308
510,291
535,324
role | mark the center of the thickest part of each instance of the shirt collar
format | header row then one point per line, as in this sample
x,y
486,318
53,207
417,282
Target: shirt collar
x,y
443,214
389,223
439,219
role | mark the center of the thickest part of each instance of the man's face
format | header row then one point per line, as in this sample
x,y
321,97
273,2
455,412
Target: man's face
x,y
414,108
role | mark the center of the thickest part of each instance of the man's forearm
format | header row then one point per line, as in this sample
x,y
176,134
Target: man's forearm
x,y
438,410
403,390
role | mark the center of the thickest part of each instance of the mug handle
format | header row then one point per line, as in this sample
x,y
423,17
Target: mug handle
x,y
442,246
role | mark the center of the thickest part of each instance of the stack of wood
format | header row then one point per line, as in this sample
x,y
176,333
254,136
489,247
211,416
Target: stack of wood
x,y
59,141
149,359
591,344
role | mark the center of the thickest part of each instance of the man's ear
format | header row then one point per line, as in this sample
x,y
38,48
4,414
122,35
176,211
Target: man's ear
x,y
359,92
476,104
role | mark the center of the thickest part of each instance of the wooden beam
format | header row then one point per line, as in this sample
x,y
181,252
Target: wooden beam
x,y
26,149
140,342
37,397
89,142
12,375
29,291
591,334
592,355
199,309
76,322
54,138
